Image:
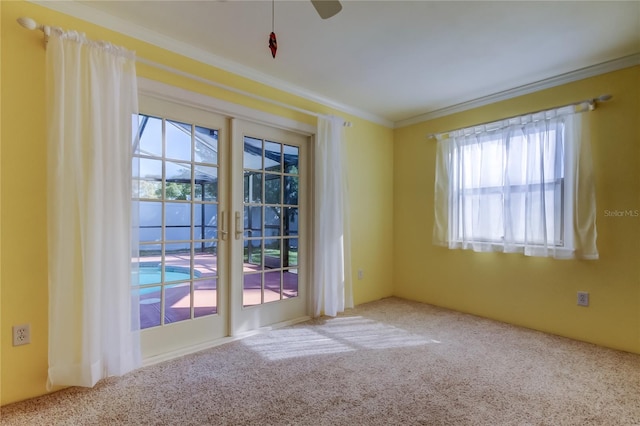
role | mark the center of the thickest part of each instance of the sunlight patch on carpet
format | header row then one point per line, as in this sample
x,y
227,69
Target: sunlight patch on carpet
x,y
292,343
368,334
336,335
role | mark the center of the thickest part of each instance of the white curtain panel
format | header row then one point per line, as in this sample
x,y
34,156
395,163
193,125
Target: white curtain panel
x,y
332,247
522,185
93,321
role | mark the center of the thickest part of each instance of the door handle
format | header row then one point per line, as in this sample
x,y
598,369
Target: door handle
x,y
238,227
223,228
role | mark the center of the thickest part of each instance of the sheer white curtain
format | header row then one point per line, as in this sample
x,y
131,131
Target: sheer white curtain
x,y
332,249
93,321
521,185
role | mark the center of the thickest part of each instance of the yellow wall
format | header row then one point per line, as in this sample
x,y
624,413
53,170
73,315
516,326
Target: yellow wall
x,y
533,292
1,324
23,257
391,184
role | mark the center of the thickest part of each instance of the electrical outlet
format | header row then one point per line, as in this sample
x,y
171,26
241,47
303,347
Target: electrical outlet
x,y
583,298
21,334
360,274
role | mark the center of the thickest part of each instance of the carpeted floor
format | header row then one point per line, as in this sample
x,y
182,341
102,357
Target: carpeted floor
x,y
384,363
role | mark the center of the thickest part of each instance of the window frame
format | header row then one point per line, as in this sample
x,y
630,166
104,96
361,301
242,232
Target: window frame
x,y
556,186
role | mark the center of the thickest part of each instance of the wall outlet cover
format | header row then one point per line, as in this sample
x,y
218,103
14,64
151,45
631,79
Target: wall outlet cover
x,y
21,334
583,298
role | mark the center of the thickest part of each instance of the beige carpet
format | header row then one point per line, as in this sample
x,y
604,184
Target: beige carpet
x,y
384,363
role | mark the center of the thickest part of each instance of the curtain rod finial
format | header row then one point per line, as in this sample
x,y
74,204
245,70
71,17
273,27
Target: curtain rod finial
x,y
31,24
27,23
601,98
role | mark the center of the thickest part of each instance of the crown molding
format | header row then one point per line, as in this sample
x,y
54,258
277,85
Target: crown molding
x,y
113,23
102,19
580,74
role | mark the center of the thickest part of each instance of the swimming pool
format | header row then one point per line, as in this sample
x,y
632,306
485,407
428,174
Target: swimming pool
x,y
152,274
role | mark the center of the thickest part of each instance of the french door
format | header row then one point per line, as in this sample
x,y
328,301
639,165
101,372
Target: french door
x,y
222,210
271,220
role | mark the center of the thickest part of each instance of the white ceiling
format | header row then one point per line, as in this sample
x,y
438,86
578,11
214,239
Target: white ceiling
x,y
393,60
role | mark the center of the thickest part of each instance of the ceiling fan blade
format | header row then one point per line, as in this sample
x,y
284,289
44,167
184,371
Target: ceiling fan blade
x,y
327,8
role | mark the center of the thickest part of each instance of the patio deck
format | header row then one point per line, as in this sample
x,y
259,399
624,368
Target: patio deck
x,y
178,294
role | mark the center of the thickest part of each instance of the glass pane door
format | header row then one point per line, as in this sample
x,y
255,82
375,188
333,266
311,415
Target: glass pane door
x,y
222,226
272,233
270,221
178,195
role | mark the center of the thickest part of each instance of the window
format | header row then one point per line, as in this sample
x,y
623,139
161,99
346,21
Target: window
x,y
496,177
511,186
